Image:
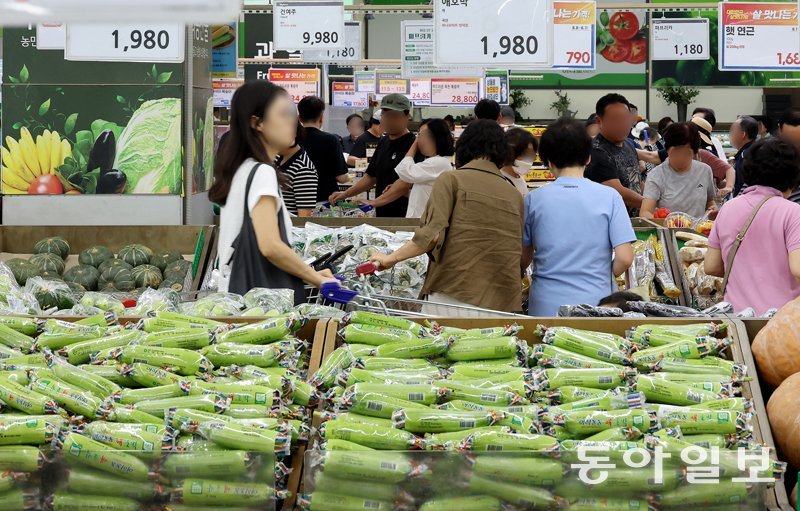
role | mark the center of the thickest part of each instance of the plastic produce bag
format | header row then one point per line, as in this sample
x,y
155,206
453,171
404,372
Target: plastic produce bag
x,y
666,311
320,240
50,294
154,300
280,300
588,311
643,270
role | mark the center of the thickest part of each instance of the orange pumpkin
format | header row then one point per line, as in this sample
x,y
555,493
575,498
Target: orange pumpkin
x,y
783,410
777,346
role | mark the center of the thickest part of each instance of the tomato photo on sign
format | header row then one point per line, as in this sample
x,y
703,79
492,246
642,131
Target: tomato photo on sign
x,y
638,52
623,25
617,52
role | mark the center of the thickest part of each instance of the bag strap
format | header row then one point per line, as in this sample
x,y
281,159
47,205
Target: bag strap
x,y
247,189
281,222
738,241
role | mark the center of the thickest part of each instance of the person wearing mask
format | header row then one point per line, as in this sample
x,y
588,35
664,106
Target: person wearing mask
x,y
522,146
435,143
507,117
755,240
579,268
709,115
324,149
471,230
592,126
300,195
488,109
614,161
248,187
724,174
355,128
395,115
681,183
743,133
365,145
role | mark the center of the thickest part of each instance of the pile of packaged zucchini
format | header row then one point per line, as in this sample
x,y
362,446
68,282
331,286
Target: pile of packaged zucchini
x,y
491,423
175,412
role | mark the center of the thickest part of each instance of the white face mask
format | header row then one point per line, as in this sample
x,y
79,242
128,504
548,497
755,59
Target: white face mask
x,y
522,167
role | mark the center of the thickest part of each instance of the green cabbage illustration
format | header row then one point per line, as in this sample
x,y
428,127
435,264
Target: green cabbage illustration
x,y
208,144
149,151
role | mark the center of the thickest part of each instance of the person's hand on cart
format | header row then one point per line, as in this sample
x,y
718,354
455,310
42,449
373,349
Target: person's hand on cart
x,y
323,277
383,261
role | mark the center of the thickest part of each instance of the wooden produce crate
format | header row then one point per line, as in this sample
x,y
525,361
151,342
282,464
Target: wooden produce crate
x,y
193,241
739,351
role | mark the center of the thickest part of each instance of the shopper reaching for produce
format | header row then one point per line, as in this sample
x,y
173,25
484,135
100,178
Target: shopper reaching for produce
x,y
255,226
681,183
471,229
763,269
576,268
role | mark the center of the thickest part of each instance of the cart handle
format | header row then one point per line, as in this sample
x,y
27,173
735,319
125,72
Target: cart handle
x,y
334,292
366,269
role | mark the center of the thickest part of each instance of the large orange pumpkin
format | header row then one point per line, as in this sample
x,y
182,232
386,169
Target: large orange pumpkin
x,y
783,410
777,346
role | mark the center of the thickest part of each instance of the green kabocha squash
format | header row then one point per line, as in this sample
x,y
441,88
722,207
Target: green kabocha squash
x,y
51,275
161,259
52,293
119,279
56,245
135,255
77,288
172,284
95,256
84,275
147,275
177,270
114,263
22,269
48,262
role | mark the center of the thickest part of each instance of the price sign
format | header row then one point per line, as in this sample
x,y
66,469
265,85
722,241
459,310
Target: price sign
x,y
679,39
365,81
125,42
574,35
758,36
455,91
391,82
511,33
345,96
299,83
420,92
24,12
418,50
351,52
308,24
495,86
223,91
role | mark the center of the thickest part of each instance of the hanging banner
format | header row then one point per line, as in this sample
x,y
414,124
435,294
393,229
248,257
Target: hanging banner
x,y
455,91
417,48
508,33
391,82
420,92
308,24
25,12
224,47
495,86
758,36
679,39
350,53
344,95
125,42
223,91
299,83
574,35
365,81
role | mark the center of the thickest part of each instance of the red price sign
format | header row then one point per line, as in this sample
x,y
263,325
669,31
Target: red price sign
x,y
758,36
299,83
455,91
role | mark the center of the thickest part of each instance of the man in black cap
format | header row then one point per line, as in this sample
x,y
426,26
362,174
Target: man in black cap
x,y
395,115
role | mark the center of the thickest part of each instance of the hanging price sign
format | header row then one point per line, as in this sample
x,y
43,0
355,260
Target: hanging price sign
x,y
679,39
308,24
299,83
24,12
391,82
125,42
511,33
345,96
455,91
365,81
574,35
420,92
417,50
758,36
351,52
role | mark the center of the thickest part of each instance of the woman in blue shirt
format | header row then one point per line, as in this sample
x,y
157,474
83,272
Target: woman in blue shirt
x,y
577,232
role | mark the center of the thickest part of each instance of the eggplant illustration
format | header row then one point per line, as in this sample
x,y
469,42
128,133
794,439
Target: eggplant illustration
x,y
103,153
112,181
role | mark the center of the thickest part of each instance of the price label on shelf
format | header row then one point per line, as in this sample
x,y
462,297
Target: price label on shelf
x,y
351,52
680,39
574,35
758,36
507,33
455,91
308,24
420,92
391,82
365,81
345,96
125,42
298,82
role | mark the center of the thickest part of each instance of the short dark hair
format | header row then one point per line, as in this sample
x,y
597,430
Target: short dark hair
x,y
354,116
749,126
488,109
708,114
790,116
450,120
482,138
680,134
772,162
591,120
518,140
663,123
610,99
631,106
766,120
372,122
565,144
310,108
442,136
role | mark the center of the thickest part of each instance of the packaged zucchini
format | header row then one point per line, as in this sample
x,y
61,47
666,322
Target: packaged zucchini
x,y
440,421
375,335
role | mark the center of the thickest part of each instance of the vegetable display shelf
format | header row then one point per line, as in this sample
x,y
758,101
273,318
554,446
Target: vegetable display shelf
x,y
194,242
776,498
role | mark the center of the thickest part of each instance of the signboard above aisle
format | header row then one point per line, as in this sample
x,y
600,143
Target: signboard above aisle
x,y
680,39
25,12
574,35
299,83
125,42
350,52
417,53
759,36
308,24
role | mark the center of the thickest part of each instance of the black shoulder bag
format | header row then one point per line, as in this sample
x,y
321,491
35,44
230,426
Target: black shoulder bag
x,y
249,268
